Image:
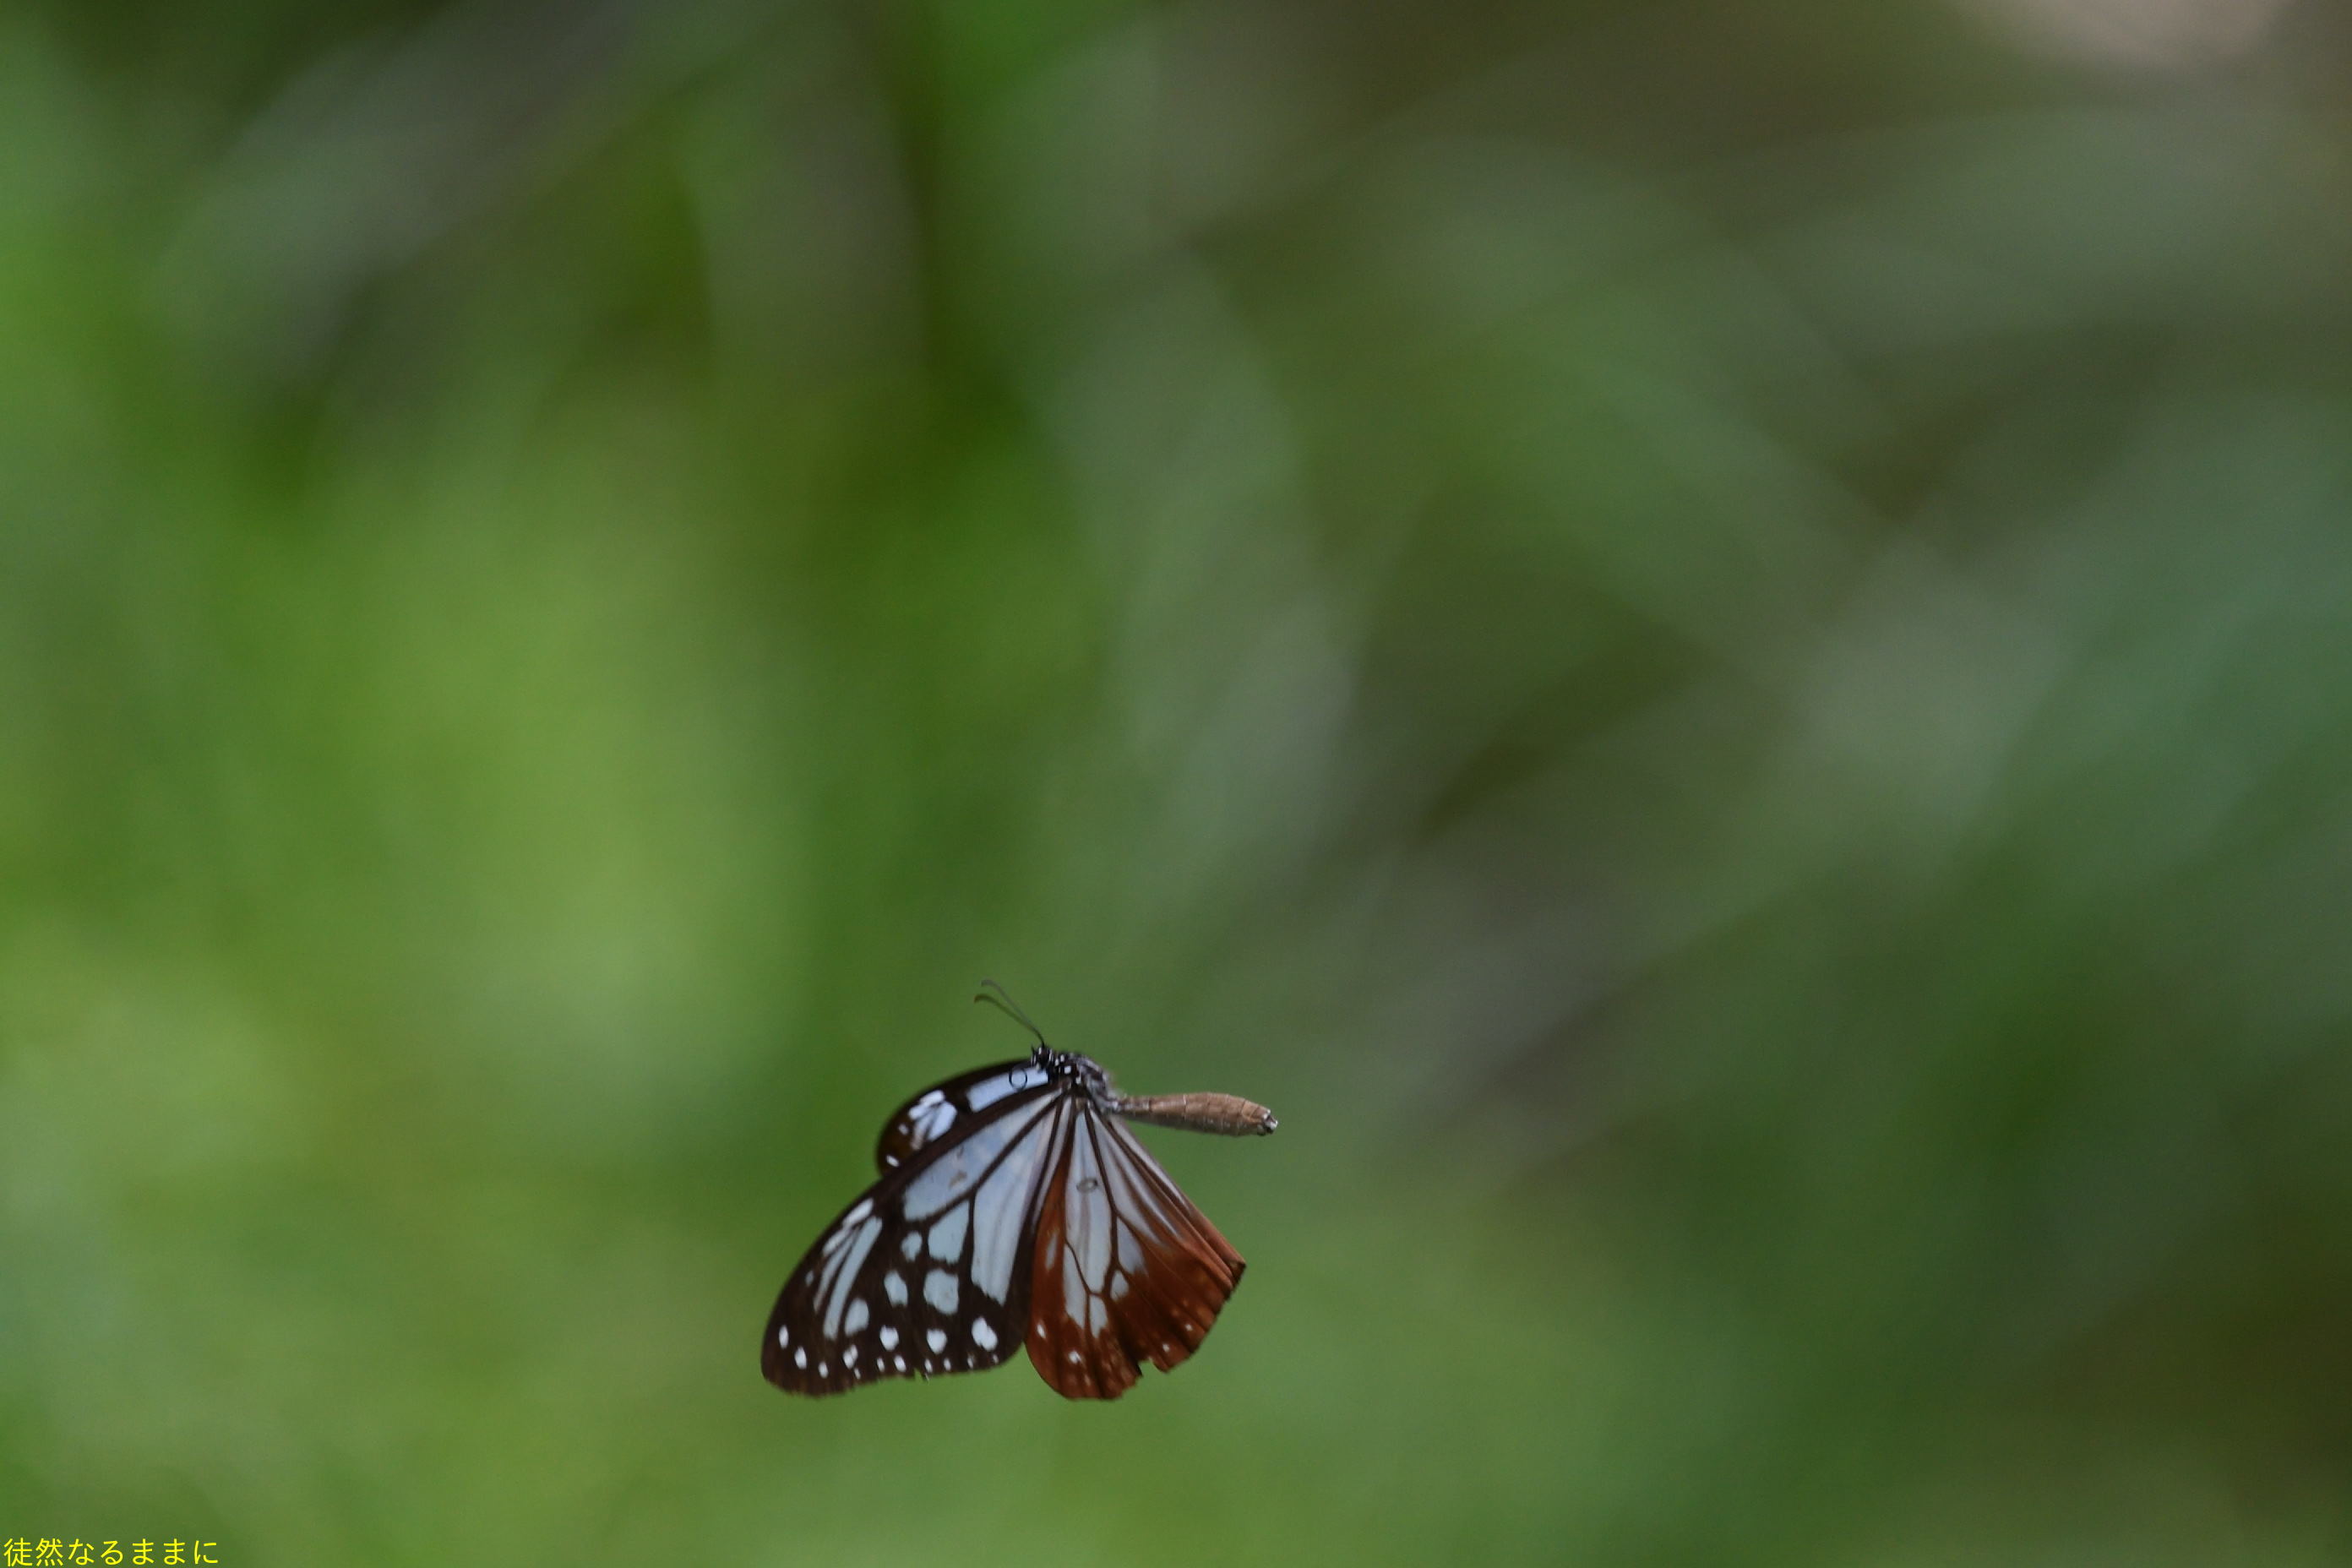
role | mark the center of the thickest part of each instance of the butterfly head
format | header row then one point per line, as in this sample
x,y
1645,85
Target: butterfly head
x,y
1062,1067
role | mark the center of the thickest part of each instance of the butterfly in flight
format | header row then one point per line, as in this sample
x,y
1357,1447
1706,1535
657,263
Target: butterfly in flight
x,y
1015,1208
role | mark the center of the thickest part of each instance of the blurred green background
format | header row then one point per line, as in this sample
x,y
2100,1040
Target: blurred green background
x,y
1712,642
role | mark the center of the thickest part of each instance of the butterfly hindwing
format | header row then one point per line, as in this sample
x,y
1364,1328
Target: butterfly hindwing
x,y
1124,1268
927,1272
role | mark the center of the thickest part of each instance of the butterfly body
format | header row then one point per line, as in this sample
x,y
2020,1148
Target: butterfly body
x,y
1014,1209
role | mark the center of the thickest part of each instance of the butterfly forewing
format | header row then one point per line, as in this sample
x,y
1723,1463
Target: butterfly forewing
x,y
939,1110
925,1274
1124,1268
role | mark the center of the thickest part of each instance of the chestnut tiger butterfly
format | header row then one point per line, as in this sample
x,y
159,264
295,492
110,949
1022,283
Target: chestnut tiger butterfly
x,y
1015,1208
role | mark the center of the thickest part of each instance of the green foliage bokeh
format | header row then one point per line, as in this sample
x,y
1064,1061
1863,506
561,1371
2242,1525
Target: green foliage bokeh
x,y
1710,642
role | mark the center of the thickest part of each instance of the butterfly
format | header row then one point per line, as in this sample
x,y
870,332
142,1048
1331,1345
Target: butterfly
x,y
1015,1208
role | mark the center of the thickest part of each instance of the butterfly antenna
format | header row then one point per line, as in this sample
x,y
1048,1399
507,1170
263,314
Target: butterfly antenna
x,y
996,995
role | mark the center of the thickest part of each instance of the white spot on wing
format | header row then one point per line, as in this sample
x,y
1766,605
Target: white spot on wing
x,y
947,1237
939,1290
854,1322
989,1091
911,1244
889,1338
1087,1209
783,1336
841,1273
1004,1204
937,1338
895,1288
982,1335
800,1358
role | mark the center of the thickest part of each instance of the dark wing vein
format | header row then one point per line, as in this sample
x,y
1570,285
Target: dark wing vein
x,y
1124,1269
